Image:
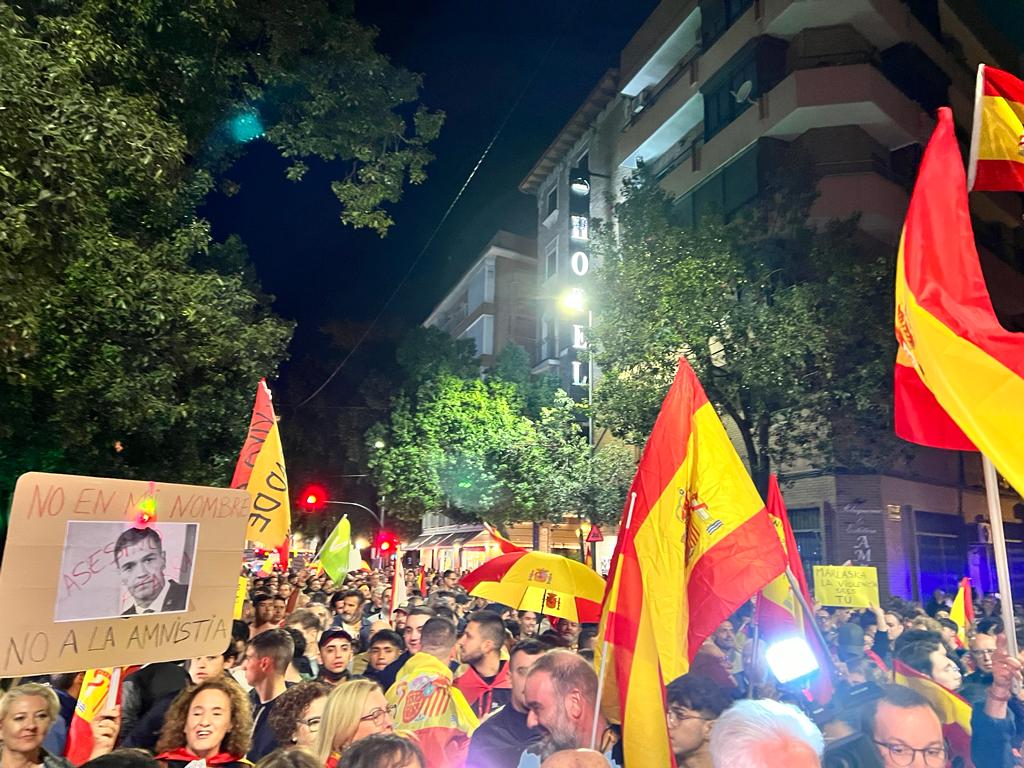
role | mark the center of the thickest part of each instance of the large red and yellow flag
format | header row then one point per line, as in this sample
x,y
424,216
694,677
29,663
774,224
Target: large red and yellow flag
x,y
779,612
945,323
953,711
262,420
962,611
997,140
695,543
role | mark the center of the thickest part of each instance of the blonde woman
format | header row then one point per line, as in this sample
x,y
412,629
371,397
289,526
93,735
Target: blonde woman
x,y
27,712
355,709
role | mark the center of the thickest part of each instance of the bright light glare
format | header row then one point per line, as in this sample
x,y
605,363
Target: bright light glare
x,y
362,543
311,499
245,126
574,299
791,659
378,444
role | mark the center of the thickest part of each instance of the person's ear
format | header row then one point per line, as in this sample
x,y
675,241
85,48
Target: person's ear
x,y
574,705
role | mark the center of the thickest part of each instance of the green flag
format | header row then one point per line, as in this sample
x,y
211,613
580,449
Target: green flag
x,y
337,555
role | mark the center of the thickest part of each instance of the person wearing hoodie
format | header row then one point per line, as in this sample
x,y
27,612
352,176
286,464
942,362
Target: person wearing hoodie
x,y
484,680
500,739
427,703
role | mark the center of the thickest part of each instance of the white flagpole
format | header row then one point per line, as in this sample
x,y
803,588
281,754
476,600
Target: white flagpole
x,y
995,516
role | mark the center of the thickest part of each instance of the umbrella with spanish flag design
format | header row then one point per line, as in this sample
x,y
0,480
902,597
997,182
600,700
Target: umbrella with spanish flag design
x,y
541,582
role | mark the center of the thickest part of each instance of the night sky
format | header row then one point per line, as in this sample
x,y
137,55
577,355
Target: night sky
x,y
476,59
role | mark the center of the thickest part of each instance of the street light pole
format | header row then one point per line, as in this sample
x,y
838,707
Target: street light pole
x,y
378,517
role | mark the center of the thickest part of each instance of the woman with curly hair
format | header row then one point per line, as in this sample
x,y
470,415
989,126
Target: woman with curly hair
x,y
355,709
211,721
297,714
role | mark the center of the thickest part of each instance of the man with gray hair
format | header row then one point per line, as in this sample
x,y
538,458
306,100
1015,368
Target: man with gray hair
x,y
765,734
561,698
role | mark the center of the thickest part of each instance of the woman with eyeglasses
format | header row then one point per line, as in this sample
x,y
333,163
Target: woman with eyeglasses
x,y
297,714
355,709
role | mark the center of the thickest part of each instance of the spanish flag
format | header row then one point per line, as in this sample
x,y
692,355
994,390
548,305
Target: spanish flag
x,y
997,141
506,546
101,690
953,711
779,612
962,611
945,324
694,544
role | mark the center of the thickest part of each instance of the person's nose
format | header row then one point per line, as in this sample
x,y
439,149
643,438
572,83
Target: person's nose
x,y
531,720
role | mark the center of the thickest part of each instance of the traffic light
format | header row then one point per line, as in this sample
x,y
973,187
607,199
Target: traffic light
x,y
386,544
313,497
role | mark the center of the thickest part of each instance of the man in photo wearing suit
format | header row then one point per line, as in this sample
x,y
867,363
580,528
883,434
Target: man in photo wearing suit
x,y
139,555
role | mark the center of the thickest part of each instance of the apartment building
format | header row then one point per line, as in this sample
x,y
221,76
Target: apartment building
x,y
494,302
710,94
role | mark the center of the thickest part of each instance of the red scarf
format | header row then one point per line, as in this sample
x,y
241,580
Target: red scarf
x,y
182,754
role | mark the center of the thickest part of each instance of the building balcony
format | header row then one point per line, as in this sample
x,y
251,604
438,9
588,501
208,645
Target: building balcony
x,y
813,98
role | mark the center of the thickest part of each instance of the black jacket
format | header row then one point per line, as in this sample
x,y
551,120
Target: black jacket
x,y
176,600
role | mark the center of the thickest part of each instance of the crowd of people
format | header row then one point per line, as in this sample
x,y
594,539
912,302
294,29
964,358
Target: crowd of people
x,y
327,675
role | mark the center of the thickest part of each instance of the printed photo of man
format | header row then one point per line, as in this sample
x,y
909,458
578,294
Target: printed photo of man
x,y
141,562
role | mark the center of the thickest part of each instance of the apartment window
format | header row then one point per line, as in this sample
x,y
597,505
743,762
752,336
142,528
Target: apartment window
x,y
552,201
721,106
583,164
718,15
807,532
579,228
551,260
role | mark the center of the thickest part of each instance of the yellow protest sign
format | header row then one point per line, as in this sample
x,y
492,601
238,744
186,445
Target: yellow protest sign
x,y
846,586
243,588
270,514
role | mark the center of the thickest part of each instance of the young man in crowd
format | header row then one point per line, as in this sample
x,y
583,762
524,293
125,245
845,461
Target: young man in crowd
x,y
348,615
385,646
263,605
266,662
694,703
428,703
308,623
336,650
500,739
485,680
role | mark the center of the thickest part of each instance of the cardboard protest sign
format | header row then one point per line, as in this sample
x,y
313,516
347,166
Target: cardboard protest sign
x,y
86,584
846,586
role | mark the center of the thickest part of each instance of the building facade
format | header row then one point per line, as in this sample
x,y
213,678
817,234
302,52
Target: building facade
x,y
711,95
494,302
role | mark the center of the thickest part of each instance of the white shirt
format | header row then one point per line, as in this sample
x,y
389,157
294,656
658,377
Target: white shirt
x,y
157,605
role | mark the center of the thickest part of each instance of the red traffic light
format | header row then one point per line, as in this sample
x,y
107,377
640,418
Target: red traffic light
x,y
386,543
313,497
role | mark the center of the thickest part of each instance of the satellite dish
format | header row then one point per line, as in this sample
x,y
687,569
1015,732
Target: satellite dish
x,y
742,93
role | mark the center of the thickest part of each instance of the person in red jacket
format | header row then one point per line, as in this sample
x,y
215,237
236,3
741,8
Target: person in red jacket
x,y
485,682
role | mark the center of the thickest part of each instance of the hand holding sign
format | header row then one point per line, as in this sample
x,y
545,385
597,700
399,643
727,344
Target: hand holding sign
x,y
846,586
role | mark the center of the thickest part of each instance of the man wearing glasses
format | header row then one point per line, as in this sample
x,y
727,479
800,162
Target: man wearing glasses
x,y
976,684
905,729
694,703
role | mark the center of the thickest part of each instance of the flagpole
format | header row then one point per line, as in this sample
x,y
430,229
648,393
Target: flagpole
x,y
810,619
754,641
604,645
995,516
